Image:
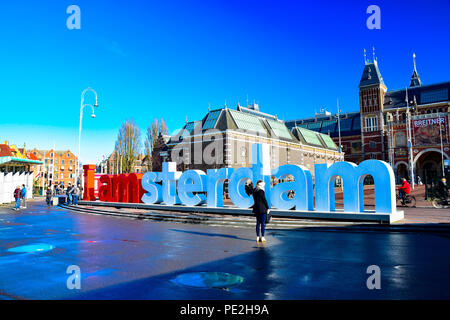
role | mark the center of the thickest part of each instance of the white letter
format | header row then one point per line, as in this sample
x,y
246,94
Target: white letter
x,y
374,281
74,281
74,21
374,21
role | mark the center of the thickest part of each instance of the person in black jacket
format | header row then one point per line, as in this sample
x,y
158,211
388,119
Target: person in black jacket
x,y
260,210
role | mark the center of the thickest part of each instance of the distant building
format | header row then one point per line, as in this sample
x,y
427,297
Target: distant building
x,y
224,138
16,169
379,129
58,167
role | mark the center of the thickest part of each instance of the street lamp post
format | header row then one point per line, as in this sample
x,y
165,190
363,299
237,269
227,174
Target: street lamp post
x,y
409,135
82,105
442,148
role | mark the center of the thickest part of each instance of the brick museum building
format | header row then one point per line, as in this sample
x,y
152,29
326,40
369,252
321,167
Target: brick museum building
x,y
224,138
408,128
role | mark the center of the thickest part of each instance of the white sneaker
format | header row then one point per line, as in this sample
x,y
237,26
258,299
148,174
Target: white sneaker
x,y
257,239
263,239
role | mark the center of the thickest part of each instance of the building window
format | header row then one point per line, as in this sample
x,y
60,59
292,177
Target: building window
x,y
371,124
68,155
71,162
62,161
400,139
372,144
62,175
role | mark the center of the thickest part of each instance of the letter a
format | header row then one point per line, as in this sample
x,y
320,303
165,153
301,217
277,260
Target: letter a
x,y
74,281
74,21
374,281
374,21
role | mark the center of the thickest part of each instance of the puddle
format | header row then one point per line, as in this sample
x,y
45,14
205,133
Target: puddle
x,y
37,247
218,280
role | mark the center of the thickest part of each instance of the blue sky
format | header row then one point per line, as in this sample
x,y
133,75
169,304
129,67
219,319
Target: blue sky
x,y
171,59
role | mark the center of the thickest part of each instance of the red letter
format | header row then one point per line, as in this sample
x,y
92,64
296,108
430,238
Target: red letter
x,y
89,182
105,189
135,187
123,187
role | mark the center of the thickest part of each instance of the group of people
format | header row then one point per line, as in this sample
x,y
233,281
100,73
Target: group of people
x,y
20,195
72,194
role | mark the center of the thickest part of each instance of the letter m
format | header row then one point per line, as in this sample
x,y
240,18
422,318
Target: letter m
x,y
352,185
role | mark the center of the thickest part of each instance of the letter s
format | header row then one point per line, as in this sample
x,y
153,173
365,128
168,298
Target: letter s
x,y
154,192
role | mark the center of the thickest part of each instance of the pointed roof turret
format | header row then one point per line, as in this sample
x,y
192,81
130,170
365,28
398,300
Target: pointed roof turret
x,y
371,74
415,79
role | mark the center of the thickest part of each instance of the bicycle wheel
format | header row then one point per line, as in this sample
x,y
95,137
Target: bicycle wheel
x,y
436,203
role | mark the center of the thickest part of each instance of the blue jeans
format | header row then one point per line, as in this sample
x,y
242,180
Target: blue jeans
x,y
17,206
260,224
75,199
69,198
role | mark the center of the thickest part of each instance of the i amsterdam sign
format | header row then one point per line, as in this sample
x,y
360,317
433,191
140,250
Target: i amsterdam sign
x,y
195,188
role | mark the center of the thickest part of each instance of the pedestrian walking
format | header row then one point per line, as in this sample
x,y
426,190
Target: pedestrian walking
x,y
48,197
260,210
69,192
75,195
23,196
17,193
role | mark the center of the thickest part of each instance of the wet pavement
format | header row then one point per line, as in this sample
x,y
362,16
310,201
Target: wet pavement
x,y
123,258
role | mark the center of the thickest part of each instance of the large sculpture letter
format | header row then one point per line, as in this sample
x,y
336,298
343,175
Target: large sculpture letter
x,y
169,177
216,178
154,190
302,186
135,187
192,181
236,188
105,189
89,182
352,184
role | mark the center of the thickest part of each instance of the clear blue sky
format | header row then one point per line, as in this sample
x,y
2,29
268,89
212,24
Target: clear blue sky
x,y
171,58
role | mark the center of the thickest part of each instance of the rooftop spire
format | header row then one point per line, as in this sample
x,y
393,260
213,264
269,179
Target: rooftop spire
x,y
415,79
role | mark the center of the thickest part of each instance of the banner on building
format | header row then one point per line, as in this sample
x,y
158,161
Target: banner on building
x,y
427,131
